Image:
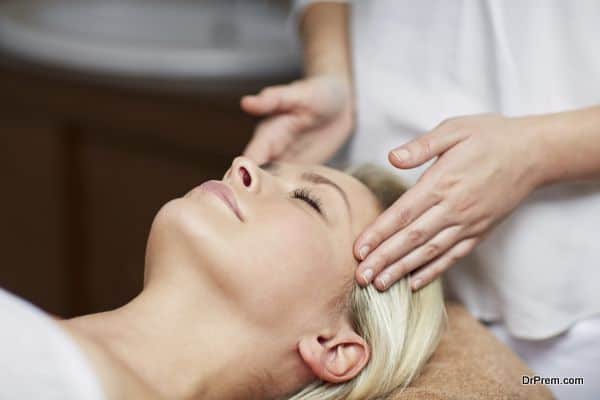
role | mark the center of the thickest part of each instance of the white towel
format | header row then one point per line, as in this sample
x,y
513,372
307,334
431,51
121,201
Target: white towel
x,y
38,359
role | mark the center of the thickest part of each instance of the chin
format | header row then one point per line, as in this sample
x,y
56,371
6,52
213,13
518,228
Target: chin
x,y
189,232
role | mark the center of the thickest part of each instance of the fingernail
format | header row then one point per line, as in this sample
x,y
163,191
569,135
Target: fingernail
x,y
364,251
367,275
402,154
416,284
382,281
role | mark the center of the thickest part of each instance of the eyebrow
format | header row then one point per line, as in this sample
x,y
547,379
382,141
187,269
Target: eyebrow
x,y
269,166
312,177
315,178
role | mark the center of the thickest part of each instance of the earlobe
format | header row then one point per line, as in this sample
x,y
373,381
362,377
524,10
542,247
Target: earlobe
x,y
336,356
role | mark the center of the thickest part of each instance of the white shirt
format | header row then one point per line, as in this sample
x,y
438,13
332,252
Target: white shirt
x,y
419,62
572,354
38,360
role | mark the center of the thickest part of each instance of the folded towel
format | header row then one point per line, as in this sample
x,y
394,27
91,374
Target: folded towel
x,y
471,363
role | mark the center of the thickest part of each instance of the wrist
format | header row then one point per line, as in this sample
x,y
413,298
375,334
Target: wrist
x,y
546,161
325,69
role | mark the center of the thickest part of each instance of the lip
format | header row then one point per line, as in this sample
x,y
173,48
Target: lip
x,y
225,193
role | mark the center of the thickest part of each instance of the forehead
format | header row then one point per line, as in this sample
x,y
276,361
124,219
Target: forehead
x,y
363,204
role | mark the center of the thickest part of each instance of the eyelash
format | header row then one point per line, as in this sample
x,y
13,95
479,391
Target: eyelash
x,y
305,195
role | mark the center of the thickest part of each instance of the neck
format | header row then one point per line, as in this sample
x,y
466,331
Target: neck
x,y
188,346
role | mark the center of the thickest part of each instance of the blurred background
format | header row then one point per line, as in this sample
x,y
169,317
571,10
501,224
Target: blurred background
x,y
108,109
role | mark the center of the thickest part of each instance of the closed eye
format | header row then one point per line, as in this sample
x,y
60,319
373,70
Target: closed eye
x,y
306,196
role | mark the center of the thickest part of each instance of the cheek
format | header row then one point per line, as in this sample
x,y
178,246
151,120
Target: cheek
x,y
292,250
286,268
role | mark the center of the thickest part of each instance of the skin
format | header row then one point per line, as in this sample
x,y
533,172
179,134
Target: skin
x,y
229,305
453,206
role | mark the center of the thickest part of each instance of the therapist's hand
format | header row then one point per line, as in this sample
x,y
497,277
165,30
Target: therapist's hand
x,y
487,164
305,122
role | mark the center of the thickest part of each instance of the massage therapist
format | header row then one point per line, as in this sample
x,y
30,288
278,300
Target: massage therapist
x,y
490,110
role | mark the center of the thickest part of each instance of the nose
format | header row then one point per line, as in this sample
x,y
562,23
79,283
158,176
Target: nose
x,y
245,173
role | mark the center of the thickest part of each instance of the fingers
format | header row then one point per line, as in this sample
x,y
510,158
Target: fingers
x,y
273,136
424,148
435,268
414,202
430,227
425,253
259,150
274,99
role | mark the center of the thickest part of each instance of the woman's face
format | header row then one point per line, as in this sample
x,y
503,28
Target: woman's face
x,y
282,252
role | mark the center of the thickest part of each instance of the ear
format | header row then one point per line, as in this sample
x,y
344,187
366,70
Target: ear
x,y
336,355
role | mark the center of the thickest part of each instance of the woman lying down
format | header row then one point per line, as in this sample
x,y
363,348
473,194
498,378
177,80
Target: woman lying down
x,y
249,293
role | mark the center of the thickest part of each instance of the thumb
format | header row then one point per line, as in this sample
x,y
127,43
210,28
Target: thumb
x,y
273,99
423,149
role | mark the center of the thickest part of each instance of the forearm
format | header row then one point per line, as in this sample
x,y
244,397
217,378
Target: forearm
x,y
568,145
325,37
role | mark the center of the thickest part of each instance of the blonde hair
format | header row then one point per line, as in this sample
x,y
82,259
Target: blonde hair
x,y
402,327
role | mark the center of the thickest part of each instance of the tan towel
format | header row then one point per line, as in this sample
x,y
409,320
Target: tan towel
x,y
470,364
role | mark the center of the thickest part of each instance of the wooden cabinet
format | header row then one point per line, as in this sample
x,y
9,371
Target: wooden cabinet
x,y
32,213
